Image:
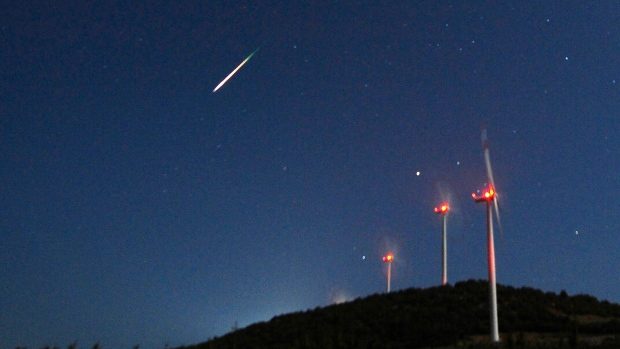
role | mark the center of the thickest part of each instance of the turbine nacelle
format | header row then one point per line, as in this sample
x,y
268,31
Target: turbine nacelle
x,y
389,258
442,209
487,196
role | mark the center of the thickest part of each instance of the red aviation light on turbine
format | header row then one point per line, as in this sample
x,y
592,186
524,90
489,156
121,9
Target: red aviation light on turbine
x,y
488,195
389,258
442,209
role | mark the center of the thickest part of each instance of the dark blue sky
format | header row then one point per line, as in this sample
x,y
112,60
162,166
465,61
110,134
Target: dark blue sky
x,y
139,207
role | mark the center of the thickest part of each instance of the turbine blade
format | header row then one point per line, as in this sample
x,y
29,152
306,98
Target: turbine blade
x,y
489,168
234,71
487,157
499,221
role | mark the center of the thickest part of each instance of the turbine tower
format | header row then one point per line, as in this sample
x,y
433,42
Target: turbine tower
x,y
389,258
488,197
442,210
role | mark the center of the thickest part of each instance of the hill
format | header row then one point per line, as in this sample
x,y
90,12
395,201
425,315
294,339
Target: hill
x,y
450,316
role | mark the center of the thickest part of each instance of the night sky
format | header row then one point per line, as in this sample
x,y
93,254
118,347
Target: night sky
x,y
138,207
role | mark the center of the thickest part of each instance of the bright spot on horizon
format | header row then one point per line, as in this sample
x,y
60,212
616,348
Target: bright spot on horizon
x,y
363,258
339,296
576,232
417,173
458,163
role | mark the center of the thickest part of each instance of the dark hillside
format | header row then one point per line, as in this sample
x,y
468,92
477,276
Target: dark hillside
x,y
438,316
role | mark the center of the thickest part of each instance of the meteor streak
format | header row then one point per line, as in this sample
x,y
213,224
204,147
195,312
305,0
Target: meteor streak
x,y
234,71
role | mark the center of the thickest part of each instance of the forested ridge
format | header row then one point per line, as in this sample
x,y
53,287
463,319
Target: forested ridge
x,y
449,316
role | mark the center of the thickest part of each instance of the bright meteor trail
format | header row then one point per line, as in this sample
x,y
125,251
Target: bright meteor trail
x,y
234,71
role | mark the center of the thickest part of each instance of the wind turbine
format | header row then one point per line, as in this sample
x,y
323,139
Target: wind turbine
x,y
489,196
442,210
389,258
